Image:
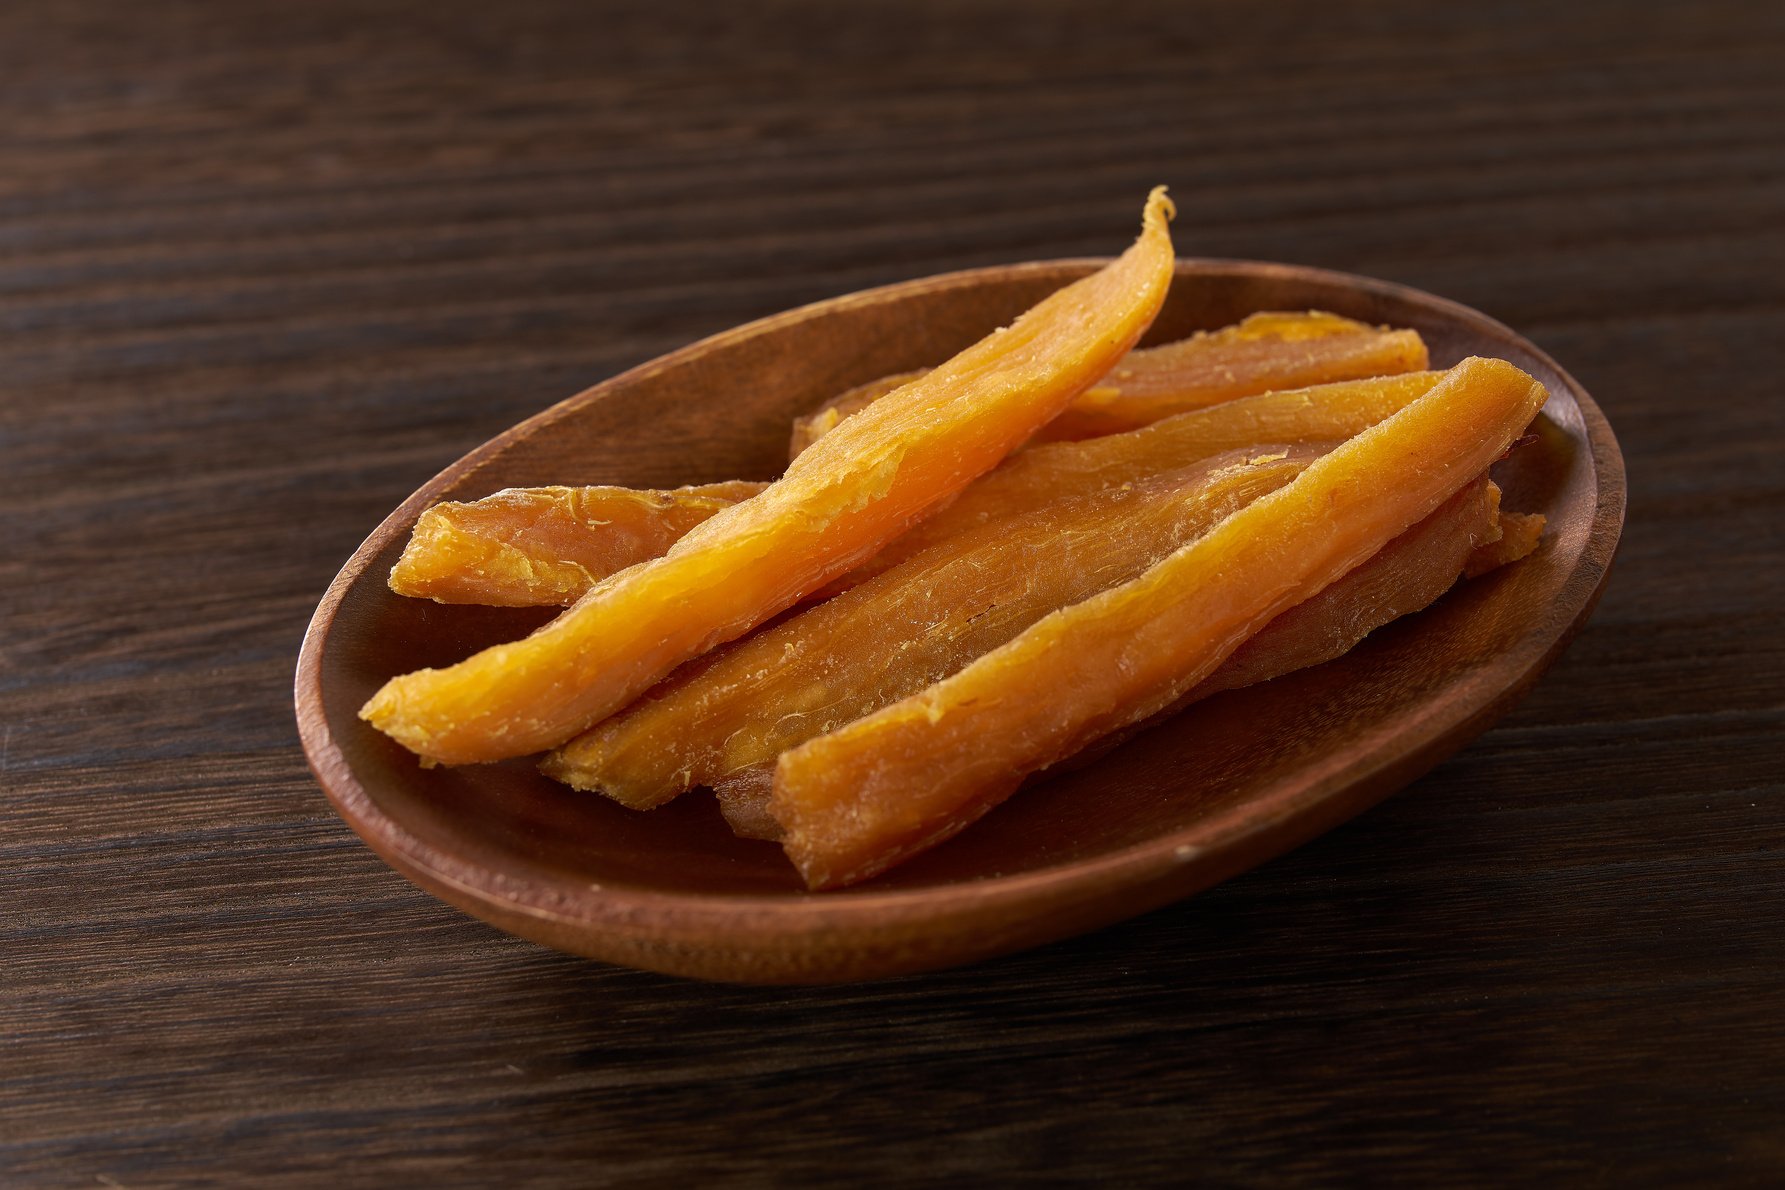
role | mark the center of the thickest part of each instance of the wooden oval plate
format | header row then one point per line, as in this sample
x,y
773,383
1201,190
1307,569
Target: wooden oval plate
x,y
1237,779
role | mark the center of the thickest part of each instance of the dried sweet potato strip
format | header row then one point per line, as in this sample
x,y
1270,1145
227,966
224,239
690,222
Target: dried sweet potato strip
x,y
895,634
529,547
1519,535
822,420
1404,576
839,502
1266,351
746,799
1323,413
893,783
534,546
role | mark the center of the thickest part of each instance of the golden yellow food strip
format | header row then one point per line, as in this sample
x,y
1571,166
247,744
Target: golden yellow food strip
x,y
530,547
1404,576
810,673
548,546
860,799
1519,536
1322,414
1263,352
838,503
821,421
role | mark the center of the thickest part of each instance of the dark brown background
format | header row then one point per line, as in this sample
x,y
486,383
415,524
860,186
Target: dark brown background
x,y
263,272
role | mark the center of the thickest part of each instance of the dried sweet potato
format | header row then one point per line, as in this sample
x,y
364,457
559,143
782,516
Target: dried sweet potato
x,y
1266,351
822,420
1519,535
1321,414
1403,577
837,505
536,546
862,798
527,547
895,634
746,799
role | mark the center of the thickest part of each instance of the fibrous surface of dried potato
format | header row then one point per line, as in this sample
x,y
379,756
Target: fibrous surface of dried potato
x,y
838,504
531,547
893,783
902,630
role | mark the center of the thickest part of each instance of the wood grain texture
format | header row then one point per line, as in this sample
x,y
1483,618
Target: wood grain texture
x,y
263,271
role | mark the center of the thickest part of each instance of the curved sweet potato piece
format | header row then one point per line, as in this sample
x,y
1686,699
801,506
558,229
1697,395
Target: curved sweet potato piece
x,y
530,547
1322,414
838,504
822,420
1404,576
1520,533
889,637
1261,353
1265,351
746,800
893,783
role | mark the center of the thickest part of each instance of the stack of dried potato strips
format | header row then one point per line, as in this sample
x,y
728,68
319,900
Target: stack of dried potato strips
x,y
968,574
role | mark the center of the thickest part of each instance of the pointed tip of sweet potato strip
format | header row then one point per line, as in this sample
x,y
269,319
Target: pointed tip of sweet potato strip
x,y
1159,207
837,504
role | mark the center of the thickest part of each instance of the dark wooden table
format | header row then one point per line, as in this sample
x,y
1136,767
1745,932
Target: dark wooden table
x,y
265,269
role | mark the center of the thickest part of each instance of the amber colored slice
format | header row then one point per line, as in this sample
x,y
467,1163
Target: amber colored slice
x,y
822,420
1266,351
534,546
862,798
895,634
1404,576
746,800
528,547
1321,414
837,505
1519,535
